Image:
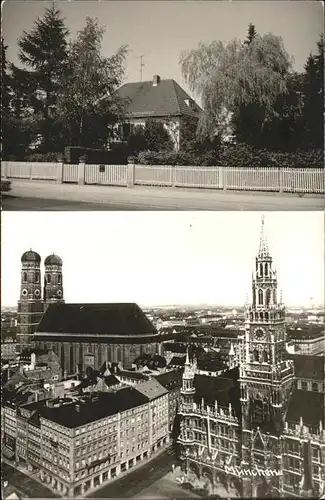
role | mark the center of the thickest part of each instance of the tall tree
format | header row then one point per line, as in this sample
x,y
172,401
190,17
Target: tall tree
x,y
43,53
313,109
88,105
231,77
251,34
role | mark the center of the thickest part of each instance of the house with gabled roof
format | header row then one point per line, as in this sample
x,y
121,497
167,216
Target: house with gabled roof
x,y
161,100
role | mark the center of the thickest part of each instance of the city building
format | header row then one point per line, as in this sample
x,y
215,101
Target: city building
x,y
172,381
251,432
309,372
75,444
8,349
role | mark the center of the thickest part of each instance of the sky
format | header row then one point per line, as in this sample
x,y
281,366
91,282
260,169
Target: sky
x,y
166,258
161,30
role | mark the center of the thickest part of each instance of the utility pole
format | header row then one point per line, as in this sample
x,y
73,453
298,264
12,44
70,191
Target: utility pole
x,y
142,65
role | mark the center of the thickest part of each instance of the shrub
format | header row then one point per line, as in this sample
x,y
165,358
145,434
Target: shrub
x,y
117,155
44,157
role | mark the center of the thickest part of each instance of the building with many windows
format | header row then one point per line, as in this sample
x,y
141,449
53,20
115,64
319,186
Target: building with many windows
x,y
75,444
252,431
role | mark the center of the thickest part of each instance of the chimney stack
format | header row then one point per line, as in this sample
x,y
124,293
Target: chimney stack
x,y
156,80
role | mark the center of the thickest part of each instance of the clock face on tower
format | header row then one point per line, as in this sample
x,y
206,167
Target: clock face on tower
x,y
259,334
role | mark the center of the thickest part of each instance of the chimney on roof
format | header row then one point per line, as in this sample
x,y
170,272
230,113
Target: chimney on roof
x,y
155,80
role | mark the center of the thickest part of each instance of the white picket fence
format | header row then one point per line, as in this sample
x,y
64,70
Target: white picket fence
x,y
293,180
114,175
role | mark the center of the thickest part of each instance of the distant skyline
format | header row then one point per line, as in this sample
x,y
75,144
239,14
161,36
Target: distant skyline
x,y
174,26
166,258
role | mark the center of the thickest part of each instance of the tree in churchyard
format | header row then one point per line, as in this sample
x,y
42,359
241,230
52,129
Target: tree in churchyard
x,y
38,85
234,76
89,105
313,90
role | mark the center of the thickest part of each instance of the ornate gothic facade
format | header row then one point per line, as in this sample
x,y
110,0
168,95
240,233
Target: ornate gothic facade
x,y
250,432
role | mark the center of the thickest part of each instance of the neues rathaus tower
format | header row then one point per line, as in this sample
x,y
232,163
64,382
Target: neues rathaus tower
x,y
250,432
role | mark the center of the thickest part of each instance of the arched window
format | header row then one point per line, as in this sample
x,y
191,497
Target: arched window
x,y
261,316
268,296
48,278
251,316
266,316
266,269
24,277
37,277
59,278
274,297
260,297
261,269
118,354
265,357
255,355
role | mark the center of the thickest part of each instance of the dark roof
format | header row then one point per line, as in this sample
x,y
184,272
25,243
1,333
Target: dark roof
x,y
143,99
223,389
170,380
177,361
174,347
31,256
95,319
53,260
309,367
306,404
96,406
134,375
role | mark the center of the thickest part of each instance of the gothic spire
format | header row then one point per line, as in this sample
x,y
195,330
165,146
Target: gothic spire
x,y
263,249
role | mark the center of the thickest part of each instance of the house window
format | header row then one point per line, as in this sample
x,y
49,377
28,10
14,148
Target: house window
x,y
314,386
304,385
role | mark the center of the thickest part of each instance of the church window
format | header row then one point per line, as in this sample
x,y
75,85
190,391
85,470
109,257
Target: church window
x,y
268,296
59,278
255,355
265,357
251,316
48,278
260,297
37,277
266,316
24,277
261,269
261,316
266,269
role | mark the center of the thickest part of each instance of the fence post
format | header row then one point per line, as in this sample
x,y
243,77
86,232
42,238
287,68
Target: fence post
x,y
224,178
31,171
81,173
4,172
59,179
174,175
280,180
130,173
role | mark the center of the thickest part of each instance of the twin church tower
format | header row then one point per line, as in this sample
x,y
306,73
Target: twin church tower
x,y
32,302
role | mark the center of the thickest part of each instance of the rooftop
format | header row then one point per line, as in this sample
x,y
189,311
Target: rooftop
x,y
309,367
170,380
96,406
95,319
152,389
167,98
308,405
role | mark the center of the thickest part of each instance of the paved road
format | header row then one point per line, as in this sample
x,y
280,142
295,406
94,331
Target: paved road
x,y
26,485
148,478
74,197
15,203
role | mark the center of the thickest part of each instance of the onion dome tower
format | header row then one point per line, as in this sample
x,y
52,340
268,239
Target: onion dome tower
x,y
30,304
53,281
